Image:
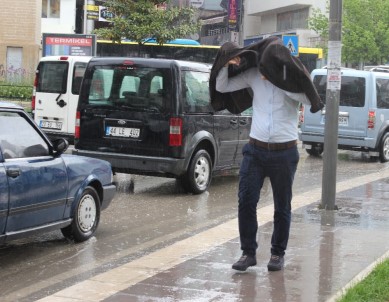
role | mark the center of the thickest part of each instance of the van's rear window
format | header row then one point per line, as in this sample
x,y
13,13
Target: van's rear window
x,y
52,77
130,87
352,90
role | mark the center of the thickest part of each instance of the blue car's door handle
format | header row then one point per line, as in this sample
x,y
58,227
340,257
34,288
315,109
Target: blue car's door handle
x,y
13,172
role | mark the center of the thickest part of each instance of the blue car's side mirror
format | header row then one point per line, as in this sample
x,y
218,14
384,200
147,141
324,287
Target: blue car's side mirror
x,y
60,146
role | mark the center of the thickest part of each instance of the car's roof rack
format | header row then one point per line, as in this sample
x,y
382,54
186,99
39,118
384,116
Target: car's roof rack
x,y
326,67
378,68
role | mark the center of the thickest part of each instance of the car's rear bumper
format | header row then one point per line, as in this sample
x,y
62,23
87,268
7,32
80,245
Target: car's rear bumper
x,y
137,164
344,142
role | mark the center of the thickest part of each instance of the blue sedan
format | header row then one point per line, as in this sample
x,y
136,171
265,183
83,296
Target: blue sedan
x,y
43,189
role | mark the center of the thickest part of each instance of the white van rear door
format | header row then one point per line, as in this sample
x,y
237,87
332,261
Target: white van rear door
x,y
57,90
51,95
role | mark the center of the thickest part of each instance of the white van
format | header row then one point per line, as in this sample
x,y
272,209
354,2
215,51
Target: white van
x,y
55,97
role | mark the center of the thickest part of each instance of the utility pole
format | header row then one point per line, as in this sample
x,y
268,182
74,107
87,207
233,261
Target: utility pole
x,y
241,19
85,17
89,25
330,156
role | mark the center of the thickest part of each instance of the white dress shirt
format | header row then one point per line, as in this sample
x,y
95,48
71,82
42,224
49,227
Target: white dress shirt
x,y
275,111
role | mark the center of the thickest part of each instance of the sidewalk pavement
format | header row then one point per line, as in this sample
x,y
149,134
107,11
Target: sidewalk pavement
x,y
328,252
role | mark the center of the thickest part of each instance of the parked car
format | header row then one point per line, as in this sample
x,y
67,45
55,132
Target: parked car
x,y
56,87
363,114
154,117
43,189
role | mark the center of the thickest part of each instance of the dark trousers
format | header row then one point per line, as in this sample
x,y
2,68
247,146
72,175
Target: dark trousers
x,y
280,166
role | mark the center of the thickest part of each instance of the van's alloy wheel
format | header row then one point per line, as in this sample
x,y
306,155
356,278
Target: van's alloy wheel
x,y
198,177
86,217
202,172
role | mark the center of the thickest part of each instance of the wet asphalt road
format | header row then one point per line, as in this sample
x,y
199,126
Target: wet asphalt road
x,y
147,214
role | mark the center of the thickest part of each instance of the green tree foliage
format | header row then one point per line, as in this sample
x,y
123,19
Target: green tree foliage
x,y
365,30
139,20
319,23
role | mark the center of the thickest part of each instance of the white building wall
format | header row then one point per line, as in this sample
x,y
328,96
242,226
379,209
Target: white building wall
x,y
264,7
66,23
266,13
251,25
269,23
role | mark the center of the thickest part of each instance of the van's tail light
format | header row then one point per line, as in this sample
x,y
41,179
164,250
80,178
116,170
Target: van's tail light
x,y
371,120
33,99
175,134
77,128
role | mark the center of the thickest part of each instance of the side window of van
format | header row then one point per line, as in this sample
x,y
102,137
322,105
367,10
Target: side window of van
x,y
382,93
196,91
78,74
320,82
352,91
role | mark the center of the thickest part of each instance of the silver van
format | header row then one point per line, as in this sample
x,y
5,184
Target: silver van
x,y
363,114
56,88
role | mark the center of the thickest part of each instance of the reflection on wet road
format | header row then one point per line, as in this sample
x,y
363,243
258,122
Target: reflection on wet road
x,y
147,214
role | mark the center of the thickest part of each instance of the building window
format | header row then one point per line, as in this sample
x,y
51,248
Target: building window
x,y
50,8
293,19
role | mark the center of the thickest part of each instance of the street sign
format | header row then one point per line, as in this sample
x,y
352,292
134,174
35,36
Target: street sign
x,y
68,45
292,43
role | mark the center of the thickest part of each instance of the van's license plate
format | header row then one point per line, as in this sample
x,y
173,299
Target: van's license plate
x,y
343,120
50,125
122,132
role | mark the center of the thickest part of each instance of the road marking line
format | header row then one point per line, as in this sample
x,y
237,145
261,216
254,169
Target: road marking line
x,y
106,284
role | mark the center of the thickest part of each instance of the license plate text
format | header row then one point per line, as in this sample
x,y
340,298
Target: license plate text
x,y
122,132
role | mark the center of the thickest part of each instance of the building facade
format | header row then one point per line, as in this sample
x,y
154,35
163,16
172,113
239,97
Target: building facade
x,y
59,16
20,39
22,23
280,17
256,20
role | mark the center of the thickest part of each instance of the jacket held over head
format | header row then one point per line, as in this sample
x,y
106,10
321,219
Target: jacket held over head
x,y
274,61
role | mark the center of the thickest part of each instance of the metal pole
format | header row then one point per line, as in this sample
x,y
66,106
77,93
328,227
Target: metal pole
x,y
330,155
90,24
85,16
241,18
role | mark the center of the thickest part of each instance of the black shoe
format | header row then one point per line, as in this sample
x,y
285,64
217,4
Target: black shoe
x,y
276,263
244,262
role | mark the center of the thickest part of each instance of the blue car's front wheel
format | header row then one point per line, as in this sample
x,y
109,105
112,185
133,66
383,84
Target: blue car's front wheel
x,y
86,217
